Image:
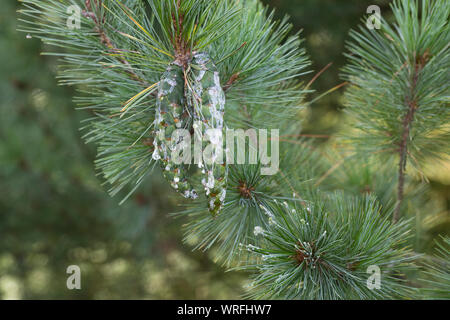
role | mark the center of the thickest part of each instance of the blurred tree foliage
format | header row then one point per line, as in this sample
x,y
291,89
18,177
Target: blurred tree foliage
x,y
54,212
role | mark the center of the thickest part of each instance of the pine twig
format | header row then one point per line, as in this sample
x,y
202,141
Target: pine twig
x,y
412,106
106,40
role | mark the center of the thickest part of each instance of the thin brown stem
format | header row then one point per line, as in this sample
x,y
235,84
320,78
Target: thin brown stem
x,y
318,75
411,104
230,81
403,151
181,46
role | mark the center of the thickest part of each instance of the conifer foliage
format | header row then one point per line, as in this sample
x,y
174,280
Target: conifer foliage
x,y
399,86
146,68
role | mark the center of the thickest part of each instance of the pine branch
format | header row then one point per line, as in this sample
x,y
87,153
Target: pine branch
x,y
301,244
106,40
398,77
258,67
248,192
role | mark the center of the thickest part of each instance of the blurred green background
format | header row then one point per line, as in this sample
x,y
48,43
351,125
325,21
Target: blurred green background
x,y
54,211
